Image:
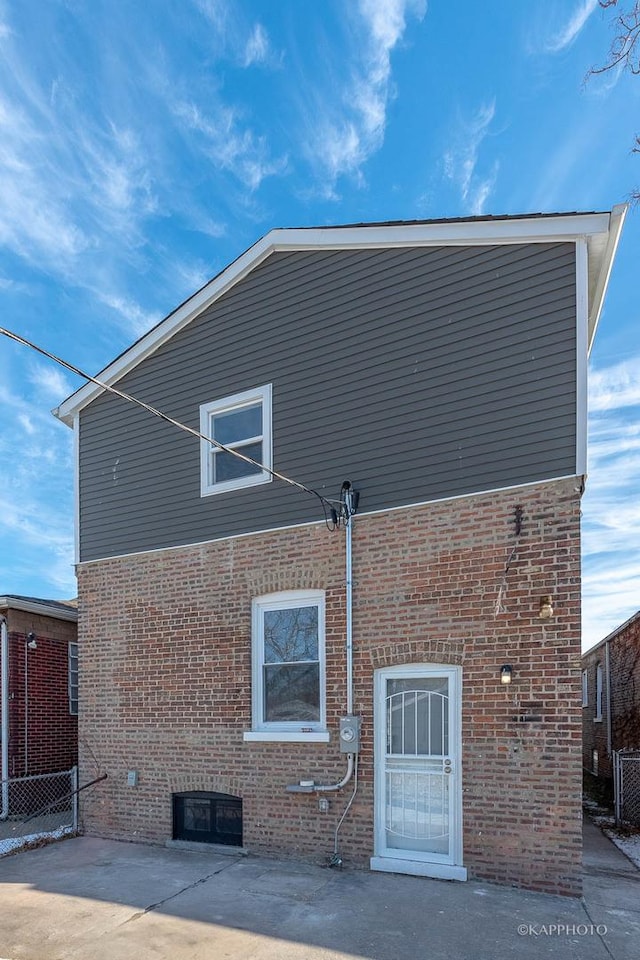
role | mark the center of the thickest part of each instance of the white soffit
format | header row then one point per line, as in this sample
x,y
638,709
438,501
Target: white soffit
x,y
600,230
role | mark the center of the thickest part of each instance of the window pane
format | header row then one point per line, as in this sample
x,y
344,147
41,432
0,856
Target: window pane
x,y
291,635
417,716
197,814
292,692
237,424
228,467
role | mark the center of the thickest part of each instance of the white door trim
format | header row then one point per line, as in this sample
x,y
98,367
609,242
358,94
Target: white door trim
x,y
445,868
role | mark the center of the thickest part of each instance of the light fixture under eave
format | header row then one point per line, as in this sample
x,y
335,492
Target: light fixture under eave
x,y
546,608
506,672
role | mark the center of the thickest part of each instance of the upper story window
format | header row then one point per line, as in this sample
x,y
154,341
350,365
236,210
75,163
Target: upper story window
x,y
598,715
585,688
288,691
242,423
73,679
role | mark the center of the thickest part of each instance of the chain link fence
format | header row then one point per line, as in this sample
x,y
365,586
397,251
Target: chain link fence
x,y
626,784
38,807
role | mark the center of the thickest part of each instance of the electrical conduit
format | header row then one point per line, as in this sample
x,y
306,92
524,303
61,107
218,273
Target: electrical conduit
x,y
4,718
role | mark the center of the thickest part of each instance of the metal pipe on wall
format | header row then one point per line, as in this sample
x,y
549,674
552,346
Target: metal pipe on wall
x,y
4,718
607,669
349,613
26,709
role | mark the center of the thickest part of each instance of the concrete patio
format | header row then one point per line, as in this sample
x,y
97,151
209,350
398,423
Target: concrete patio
x,y
91,899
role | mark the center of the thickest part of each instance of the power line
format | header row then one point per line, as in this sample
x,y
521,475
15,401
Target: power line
x,y
326,503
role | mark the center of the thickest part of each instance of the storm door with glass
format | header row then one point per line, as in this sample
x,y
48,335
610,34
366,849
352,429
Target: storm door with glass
x,y
418,815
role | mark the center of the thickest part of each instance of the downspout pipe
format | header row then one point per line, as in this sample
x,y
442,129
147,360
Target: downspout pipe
x,y
607,671
4,718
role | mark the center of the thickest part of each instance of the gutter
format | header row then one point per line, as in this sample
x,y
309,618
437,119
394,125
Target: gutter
x,y
44,609
4,718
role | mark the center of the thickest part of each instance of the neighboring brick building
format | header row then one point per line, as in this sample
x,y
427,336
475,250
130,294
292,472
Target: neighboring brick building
x,y
230,639
38,698
611,698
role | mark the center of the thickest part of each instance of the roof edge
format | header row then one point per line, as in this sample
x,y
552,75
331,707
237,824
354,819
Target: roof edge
x,y
41,607
612,635
617,218
523,228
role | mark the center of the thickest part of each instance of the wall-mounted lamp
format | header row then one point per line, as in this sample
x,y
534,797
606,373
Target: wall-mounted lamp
x,y
31,641
546,608
506,672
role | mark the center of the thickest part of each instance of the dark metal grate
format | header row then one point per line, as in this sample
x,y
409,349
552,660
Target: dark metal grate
x,y
206,817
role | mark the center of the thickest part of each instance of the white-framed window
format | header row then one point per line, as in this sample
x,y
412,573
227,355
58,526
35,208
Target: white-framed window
x,y
585,688
288,676
73,679
243,423
598,715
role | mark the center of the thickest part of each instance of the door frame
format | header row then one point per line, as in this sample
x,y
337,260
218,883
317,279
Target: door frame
x,y
445,868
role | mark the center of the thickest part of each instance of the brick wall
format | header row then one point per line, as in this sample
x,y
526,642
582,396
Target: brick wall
x,y
624,682
48,740
165,680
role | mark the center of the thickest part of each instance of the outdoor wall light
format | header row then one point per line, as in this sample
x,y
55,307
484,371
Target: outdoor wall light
x,y
546,608
506,672
31,641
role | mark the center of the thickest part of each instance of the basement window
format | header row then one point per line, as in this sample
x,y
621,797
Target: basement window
x,y
204,817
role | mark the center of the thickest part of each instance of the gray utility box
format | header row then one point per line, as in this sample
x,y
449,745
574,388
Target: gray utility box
x,y
350,734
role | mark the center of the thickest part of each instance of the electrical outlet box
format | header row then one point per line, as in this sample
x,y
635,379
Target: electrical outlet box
x,y
323,804
350,734
132,778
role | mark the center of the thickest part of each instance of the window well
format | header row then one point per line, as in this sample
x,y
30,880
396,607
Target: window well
x,y
206,817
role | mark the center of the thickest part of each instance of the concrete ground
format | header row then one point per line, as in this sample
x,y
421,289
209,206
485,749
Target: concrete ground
x,y
90,899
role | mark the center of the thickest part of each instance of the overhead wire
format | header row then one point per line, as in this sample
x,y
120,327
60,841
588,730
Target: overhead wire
x,y
327,504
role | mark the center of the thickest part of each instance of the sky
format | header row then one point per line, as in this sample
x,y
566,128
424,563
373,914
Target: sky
x,y
144,146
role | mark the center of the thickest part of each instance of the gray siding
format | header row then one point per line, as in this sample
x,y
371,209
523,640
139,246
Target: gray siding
x,y
418,373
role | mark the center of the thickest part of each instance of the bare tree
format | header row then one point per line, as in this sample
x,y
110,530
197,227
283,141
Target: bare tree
x,y
624,53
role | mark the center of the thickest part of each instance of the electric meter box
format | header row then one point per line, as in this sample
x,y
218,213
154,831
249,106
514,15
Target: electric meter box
x,y
350,734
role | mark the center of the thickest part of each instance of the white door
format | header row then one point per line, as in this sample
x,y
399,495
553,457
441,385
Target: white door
x,y
417,771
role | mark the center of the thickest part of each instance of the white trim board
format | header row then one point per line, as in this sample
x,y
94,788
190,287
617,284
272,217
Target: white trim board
x,y
600,230
42,608
322,523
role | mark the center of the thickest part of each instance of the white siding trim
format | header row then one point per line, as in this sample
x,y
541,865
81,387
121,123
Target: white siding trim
x,y
76,487
322,523
582,352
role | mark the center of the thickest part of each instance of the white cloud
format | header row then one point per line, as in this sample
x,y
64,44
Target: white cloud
x,y
49,533
130,316
610,508
26,423
461,159
615,387
49,380
228,145
257,49
568,33
344,138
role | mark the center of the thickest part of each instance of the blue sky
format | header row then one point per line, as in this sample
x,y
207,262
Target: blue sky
x,y
145,146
